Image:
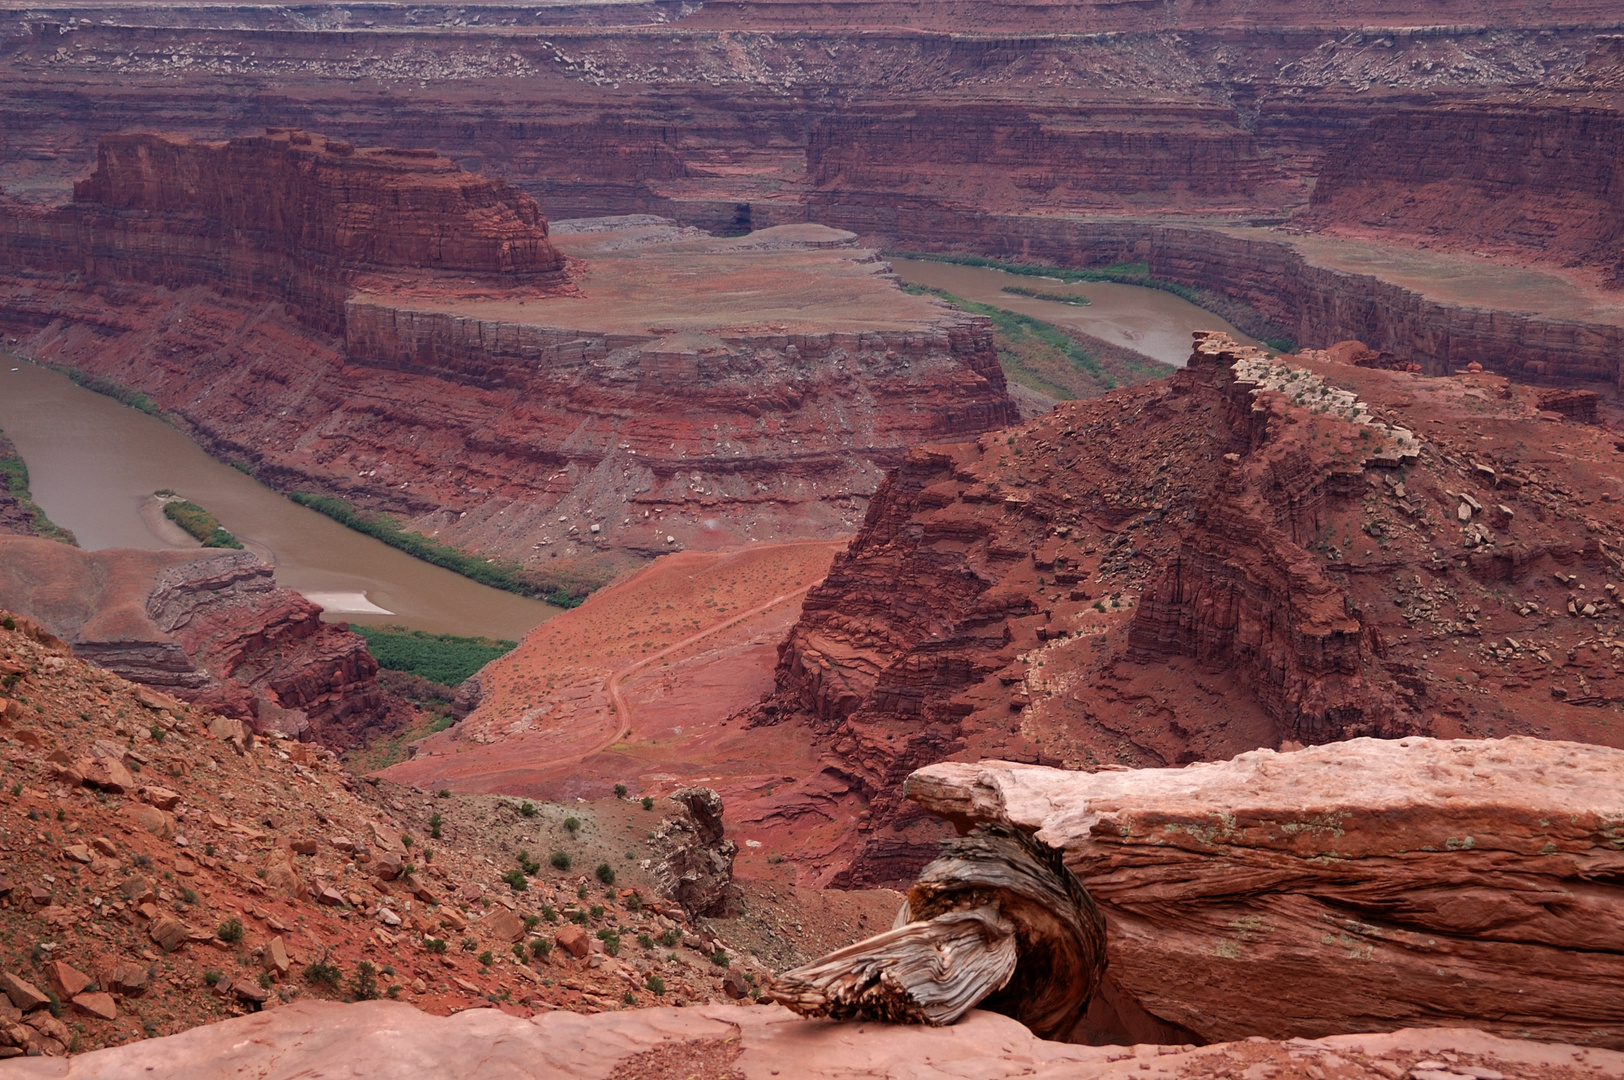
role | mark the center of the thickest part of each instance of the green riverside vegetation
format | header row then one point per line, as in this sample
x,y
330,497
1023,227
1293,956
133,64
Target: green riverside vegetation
x,y
498,573
135,399
1074,299
441,658
1053,361
1240,315
197,521
14,478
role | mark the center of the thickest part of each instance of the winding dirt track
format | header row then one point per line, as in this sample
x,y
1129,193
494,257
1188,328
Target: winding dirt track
x,y
623,712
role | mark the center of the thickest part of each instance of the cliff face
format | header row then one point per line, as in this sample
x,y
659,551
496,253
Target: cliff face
x,y
215,630
1539,181
286,216
1249,553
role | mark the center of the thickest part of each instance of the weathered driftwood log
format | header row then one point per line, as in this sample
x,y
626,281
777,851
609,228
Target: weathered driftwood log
x,y
996,921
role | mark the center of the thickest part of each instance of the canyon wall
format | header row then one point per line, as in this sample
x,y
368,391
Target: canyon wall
x,y
285,215
1542,180
212,629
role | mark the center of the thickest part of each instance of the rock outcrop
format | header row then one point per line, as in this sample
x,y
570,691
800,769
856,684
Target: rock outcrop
x,y
215,630
695,867
382,1039
286,215
1370,885
1249,553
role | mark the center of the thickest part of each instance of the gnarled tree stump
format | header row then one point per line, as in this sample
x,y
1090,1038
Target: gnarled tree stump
x,y
997,921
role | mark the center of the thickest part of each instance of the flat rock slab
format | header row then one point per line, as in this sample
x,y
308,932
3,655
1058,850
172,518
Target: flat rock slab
x,y
1368,885
384,1040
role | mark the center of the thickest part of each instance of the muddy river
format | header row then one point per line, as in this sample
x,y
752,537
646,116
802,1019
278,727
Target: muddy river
x,y
1150,321
94,464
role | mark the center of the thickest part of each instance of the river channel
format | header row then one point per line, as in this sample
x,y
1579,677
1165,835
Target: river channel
x,y
1149,321
93,465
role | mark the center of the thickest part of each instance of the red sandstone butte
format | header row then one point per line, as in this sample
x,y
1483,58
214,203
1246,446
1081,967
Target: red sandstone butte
x,y
1249,553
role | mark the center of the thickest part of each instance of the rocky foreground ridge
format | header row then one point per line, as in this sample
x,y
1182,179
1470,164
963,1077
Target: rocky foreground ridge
x,y
1250,553
386,1040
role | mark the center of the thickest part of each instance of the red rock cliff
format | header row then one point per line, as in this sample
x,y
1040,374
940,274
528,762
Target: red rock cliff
x,y
1236,557
286,216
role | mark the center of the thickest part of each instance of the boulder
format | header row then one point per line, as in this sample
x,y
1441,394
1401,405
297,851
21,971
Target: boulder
x,y
161,797
67,980
169,933
280,875
100,1005
276,956
1360,886
503,926
573,940
150,818
105,773
128,979
23,994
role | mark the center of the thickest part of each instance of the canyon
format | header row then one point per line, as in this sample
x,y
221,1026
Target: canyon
x,y
1292,655
433,361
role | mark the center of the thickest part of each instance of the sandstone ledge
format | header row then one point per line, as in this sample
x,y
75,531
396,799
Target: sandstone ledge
x,y
1359,886
393,1040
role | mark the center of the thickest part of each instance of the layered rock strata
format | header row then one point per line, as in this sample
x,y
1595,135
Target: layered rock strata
x,y
286,215
214,630
1249,553
692,391
1370,885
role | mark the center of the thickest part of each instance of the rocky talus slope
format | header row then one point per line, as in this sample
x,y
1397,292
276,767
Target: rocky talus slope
x,y
212,628
1362,886
388,1040
161,867
1249,553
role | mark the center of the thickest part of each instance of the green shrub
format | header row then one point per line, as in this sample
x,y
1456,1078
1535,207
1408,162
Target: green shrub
x,y
655,984
540,947
518,951
442,658
620,791
323,972
527,809
230,931
561,860
515,879
364,983
434,944
597,911
573,824
200,524
648,802
719,958
212,977
671,938
487,958
497,573
434,826
548,913
605,873
644,941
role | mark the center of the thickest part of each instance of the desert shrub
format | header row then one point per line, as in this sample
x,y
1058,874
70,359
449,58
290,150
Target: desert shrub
x,y
230,931
364,983
561,860
605,873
